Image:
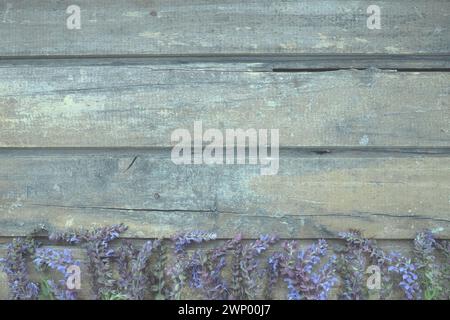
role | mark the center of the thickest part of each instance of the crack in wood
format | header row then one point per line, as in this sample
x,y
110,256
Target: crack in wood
x,y
131,164
217,211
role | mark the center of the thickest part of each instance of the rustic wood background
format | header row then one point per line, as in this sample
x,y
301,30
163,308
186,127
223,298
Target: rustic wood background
x,y
364,116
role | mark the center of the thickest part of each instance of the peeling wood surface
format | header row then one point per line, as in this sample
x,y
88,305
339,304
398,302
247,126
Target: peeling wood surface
x,y
141,105
312,196
177,27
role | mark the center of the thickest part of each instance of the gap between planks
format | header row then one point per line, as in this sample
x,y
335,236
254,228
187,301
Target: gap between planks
x,y
297,152
250,63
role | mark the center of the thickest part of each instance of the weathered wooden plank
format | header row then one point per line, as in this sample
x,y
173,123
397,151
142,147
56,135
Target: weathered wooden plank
x,y
141,105
312,196
114,27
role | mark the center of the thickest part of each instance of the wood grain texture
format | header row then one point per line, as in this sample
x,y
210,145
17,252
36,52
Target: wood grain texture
x,y
312,196
141,105
179,27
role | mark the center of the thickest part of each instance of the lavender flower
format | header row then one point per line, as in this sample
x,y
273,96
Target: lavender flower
x,y
184,239
407,272
208,270
427,269
70,237
444,248
100,255
15,266
125,255
354,260
134,269
205,272
179,271
245,266
60,260
140,270
303,271
177,274
351,267
148,272
273,273
159,287
104,234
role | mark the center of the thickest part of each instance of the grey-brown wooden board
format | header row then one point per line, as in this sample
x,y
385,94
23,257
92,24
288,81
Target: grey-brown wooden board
x,y
174,27
141,105
312,196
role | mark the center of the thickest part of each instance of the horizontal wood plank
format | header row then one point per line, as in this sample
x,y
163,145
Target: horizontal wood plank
x,y
312,196
141,105
180,27
404,247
